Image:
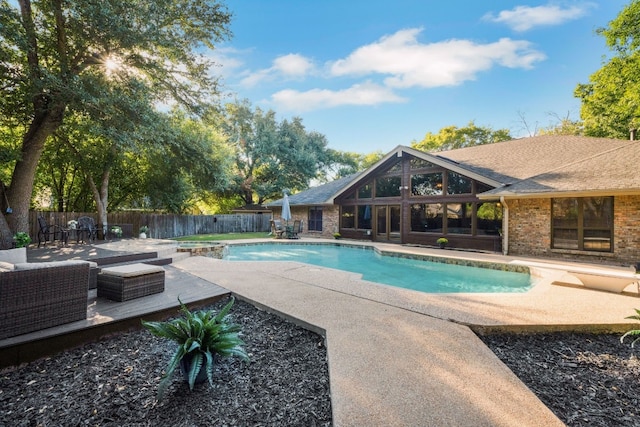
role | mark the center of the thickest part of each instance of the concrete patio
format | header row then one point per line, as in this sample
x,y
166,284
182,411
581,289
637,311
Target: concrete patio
x,y
404,358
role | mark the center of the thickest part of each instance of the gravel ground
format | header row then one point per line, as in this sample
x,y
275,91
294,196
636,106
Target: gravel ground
x,y
114,382
585,379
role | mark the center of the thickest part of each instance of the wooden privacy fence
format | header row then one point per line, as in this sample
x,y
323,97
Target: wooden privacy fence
x,y
162,226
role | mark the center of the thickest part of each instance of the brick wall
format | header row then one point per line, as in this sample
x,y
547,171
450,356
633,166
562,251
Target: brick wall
x,y
626,223
529,227
330,219
530,232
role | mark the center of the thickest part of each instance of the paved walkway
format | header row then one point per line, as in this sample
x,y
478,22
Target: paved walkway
x,y
404,358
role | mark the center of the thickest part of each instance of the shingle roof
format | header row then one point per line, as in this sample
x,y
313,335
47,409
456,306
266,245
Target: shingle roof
x,y
551,164
539,166
320,195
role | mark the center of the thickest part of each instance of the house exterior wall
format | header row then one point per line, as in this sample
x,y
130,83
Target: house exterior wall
x,y
530,232
330,219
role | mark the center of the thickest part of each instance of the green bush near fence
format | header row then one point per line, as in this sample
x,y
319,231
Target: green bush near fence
x,y
226,236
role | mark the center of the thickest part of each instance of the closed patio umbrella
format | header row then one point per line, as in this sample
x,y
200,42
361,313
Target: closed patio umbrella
x,y
286,209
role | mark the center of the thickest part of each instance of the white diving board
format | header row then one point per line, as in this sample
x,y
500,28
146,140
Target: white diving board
x,y
604,279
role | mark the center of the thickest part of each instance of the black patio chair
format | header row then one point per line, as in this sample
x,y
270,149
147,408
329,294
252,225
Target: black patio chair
x,y
297,228
51,231
87,228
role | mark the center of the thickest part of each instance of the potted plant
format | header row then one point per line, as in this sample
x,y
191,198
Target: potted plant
x,y
116,230
442,242
143,232
201,337
337,236
21,239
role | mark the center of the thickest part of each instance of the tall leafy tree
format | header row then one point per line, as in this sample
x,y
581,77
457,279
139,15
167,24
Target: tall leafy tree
x,y
56,57
452,137
271,157
611,100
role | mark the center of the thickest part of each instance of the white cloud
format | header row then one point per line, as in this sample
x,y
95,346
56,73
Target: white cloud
x,y
226,61
287,66
409,63
293,65
523,18
367,93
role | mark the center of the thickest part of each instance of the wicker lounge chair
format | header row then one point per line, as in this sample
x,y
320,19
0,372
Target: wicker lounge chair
x,y
40,297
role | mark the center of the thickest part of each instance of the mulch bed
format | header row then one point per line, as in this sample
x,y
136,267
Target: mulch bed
x,y
114,382
585,379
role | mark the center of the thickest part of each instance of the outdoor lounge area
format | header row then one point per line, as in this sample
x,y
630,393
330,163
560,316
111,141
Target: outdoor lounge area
x,y
370,383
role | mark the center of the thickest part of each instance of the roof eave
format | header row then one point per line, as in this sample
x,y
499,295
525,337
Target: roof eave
x,y
558,193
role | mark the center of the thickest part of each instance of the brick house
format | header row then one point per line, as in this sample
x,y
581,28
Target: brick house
x,y
552,196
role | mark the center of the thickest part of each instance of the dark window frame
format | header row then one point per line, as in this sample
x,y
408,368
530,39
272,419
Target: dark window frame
x,y
587,238
314,218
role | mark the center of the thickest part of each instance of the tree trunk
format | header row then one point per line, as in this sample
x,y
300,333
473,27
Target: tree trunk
x,y
21,188
101,197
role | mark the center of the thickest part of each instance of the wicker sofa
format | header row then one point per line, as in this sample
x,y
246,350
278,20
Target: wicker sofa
x,y
35,296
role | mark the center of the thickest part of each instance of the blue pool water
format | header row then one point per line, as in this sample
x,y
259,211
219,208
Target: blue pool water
x,y
424,276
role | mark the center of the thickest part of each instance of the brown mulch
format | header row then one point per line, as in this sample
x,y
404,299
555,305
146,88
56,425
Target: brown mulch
x,y
585,379
114,382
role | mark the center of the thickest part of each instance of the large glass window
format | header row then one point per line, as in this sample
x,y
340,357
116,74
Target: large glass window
x,y
429,184
584,223
364,192
388,186
417,163
459,218
364,217
489,218
314,222
481,188
458,184
427,217
348,217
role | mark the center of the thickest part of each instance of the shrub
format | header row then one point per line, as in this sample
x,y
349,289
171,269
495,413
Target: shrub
x,y
22,239
632,332
200,336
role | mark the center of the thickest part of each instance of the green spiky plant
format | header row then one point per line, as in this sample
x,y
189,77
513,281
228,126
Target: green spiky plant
x,y
200,336
633,332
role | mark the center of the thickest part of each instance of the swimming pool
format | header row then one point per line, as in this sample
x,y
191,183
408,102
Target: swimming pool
x,y
424,276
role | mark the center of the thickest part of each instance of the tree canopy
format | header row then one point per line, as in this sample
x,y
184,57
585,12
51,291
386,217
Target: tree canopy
x,y
611,100
272,156
452,137
66,57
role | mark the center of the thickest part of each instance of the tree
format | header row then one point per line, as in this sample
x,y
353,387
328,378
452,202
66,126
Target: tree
x,y
57,56
191,163
271,157
611,100
563,126
453,137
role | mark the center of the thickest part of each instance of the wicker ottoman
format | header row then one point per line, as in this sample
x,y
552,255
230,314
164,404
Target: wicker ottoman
x,y
130,281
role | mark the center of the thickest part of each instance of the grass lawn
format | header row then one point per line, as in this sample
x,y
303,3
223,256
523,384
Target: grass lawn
x,y
227,236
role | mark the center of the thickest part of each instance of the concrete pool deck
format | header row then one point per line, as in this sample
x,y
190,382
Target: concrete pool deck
x,y
403,358
396,357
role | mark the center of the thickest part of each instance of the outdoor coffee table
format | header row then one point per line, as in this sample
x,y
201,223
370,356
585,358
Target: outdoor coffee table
x,y
125,282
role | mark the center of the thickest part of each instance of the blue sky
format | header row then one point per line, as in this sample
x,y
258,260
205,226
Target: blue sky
x,y
371,75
